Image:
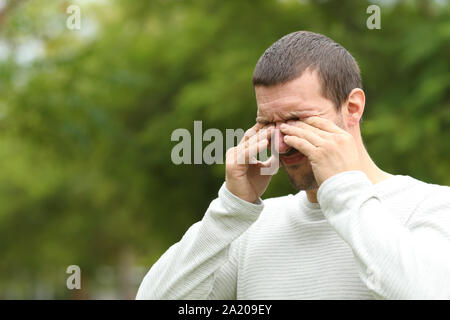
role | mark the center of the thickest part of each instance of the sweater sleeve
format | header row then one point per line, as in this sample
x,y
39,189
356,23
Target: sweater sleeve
x,y
396,260
201,265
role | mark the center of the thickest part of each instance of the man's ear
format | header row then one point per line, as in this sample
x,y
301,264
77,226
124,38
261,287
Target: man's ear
x,y
353,108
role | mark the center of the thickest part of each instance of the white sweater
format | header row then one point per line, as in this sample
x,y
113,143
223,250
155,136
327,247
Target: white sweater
x,y
361,241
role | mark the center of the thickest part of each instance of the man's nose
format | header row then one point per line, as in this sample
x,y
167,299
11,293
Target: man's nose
x,y
280,145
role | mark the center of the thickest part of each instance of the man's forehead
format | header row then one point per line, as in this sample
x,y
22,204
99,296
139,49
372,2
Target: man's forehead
x,y
284,102
277,97
286,109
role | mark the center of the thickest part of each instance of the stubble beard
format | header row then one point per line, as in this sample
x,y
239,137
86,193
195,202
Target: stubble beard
x,y
301,177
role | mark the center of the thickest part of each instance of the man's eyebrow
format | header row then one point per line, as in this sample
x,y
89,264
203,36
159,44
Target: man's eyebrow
x,y
290,115
261,119
293,115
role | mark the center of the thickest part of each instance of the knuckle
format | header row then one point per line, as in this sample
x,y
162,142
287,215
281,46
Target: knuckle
x,y
251,131
343,138
230,152
339,139
321,152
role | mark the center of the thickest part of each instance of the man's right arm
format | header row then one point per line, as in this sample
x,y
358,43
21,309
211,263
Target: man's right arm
x,y
199,266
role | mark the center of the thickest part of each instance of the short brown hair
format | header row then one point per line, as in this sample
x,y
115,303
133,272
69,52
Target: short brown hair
x,y
290,56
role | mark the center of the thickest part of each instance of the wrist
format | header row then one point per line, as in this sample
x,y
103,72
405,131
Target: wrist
x,y
237,201
246,198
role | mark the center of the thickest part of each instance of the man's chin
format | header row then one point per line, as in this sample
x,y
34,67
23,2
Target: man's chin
x,y
305,181
293,166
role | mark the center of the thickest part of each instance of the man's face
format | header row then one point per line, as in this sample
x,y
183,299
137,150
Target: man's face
x,y
295,100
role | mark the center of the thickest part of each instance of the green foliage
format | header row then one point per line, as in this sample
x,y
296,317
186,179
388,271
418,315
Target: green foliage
x,y
85,129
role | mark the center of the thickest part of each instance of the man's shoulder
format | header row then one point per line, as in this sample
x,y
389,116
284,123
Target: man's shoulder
x,y
435,194
427,197
427,188
412,187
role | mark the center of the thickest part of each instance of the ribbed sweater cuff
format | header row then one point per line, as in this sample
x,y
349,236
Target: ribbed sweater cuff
x,y
236,204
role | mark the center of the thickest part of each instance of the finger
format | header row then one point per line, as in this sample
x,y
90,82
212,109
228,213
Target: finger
x,y
304,125
272,160
251,132
302,145
324,124
304,133
261,135
270,166
250,140
251,152
242,149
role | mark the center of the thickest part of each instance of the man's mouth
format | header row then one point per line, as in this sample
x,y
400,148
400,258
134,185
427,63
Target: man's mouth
x,y
292,156
290,152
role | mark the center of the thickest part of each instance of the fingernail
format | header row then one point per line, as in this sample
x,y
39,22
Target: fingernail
x,y
283,126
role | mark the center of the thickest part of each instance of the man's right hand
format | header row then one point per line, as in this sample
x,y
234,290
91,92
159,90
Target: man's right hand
x,y
243,172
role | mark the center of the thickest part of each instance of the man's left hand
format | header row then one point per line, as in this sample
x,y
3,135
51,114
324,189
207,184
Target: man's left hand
x,y
329,148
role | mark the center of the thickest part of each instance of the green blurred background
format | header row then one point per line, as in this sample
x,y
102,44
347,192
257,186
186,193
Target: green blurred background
x,y
86,117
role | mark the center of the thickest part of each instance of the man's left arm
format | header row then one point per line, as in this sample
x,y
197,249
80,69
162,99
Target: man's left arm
x,y
396,261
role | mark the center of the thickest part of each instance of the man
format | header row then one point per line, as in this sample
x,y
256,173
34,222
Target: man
x,y
352,231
